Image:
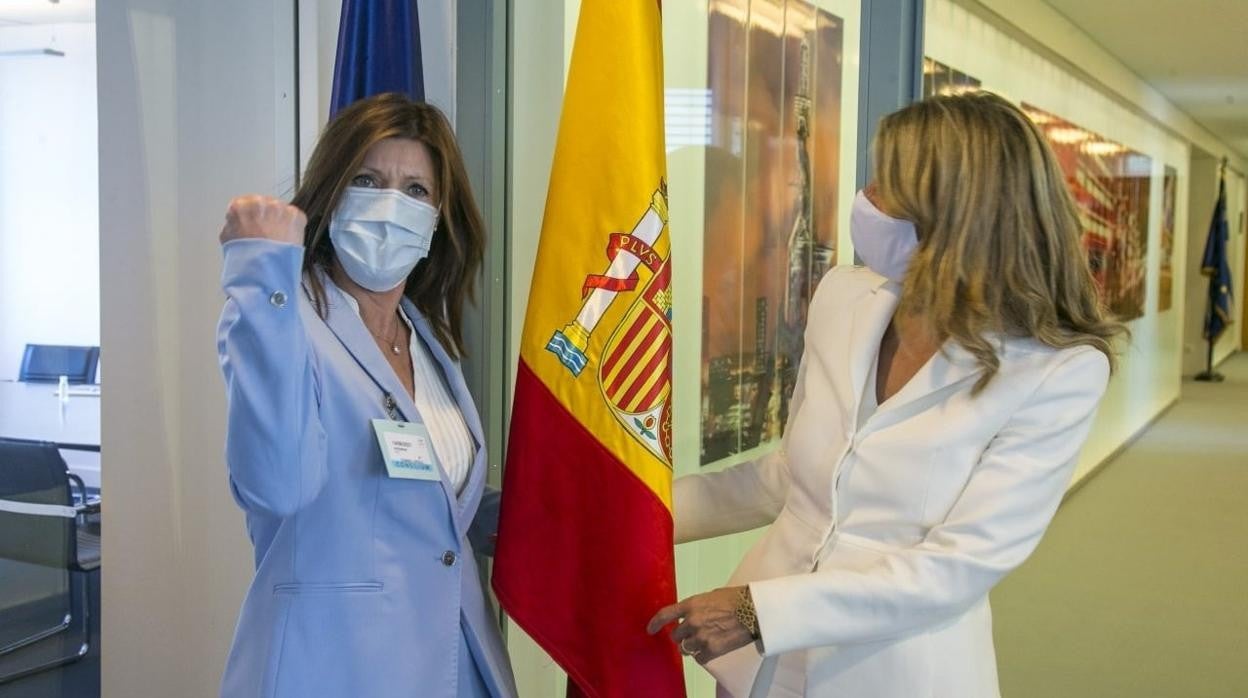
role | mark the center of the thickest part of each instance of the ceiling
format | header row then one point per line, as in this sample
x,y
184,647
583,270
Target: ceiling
x,y
34,12
1195,52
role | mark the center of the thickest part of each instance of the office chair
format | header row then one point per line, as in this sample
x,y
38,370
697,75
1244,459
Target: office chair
x,y
44,553
48,362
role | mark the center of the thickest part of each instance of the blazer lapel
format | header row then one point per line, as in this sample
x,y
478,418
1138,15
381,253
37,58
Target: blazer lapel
x,y
870,319
347,326
947,368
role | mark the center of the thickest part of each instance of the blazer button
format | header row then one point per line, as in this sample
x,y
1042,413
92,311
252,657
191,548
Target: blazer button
x,y
449,558
278,299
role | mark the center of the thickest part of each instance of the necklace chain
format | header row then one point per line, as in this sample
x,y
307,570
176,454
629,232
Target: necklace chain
x,y
393,341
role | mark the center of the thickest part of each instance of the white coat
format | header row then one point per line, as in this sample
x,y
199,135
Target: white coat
x,y
886,535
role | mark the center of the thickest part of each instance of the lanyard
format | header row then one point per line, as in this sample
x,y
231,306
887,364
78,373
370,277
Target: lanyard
x,y
388,403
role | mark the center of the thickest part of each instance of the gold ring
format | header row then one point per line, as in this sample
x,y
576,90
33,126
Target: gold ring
x,y
685,650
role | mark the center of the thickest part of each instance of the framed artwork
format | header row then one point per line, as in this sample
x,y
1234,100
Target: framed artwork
x,y
772,163
1169,191
940,79
1110,185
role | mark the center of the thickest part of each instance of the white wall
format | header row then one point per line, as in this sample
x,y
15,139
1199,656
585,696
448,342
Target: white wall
x,y
49,236
1202,192
196,106
1236,244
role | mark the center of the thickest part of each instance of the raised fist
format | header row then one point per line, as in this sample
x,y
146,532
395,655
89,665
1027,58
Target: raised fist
x,y
263,217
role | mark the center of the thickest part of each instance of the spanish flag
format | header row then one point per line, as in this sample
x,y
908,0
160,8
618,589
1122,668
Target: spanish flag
x,y
584,556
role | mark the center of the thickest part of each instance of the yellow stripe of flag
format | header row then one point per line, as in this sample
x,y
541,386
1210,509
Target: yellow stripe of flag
x,y
608,177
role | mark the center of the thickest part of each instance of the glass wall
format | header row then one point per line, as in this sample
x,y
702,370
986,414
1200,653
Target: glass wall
x,y
49,330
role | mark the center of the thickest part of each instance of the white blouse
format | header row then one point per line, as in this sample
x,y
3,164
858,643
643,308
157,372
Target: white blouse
x,y
452,442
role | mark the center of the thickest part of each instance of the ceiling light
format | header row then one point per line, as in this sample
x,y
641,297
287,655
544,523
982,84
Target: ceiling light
x,y
1103,148
1039,118
1067,135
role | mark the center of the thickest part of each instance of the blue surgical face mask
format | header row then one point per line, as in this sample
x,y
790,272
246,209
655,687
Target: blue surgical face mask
x,y
885,244
380,235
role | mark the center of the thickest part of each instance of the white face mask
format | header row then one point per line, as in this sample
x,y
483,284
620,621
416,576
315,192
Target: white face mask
x,y
380,235
884,243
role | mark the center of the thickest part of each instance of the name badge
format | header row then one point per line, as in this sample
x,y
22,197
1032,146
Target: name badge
x,y
407,450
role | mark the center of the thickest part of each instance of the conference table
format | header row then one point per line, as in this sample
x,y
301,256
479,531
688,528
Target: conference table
x,y
35,412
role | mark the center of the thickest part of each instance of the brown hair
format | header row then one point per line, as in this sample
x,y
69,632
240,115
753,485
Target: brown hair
x,y
442,282
999,235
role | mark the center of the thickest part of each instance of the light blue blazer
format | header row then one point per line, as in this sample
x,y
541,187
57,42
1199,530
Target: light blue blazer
x,y
365,585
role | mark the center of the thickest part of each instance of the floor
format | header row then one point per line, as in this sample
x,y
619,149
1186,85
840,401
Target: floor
x,y
1140,588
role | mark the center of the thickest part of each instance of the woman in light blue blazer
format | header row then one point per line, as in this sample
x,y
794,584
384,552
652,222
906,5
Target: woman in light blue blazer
x,y
340,337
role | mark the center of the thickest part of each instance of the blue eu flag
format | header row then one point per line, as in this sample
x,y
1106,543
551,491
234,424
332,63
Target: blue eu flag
x,y
1216,266
378,51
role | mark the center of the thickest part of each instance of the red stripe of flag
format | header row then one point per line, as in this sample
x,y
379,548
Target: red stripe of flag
x,y
592,630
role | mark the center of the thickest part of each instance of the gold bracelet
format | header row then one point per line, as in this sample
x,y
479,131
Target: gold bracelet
x,y
746,615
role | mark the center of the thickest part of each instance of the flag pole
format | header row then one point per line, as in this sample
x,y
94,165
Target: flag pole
x,y
1209,375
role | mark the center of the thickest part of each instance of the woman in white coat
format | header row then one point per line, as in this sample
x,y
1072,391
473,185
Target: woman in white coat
x,y
943,398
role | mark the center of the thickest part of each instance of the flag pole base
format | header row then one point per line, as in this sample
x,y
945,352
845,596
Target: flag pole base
x,y
1210,377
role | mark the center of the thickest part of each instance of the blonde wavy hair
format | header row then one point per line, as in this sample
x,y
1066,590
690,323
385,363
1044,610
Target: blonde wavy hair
x,y
999,235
